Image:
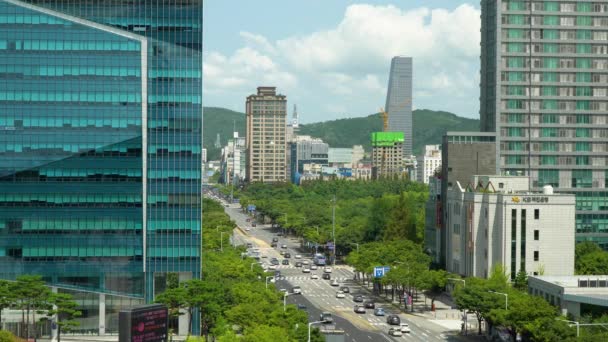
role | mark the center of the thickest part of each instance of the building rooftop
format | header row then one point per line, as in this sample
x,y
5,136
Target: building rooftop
x,y
577,281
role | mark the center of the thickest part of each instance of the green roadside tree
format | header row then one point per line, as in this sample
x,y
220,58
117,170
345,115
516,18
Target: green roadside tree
x,y
265,333
476,298
31,297
7,298
175,299
549,329
433,283
521,281
64,308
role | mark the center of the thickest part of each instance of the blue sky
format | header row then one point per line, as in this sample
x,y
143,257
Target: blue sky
x,y
331,58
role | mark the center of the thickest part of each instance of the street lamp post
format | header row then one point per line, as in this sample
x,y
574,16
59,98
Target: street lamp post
x,y
333,225
251,267
310,326
506,298
285,295
573,323
462,280
465,317
269,277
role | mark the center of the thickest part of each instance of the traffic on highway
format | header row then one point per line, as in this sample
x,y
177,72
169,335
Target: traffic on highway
x,y
328,293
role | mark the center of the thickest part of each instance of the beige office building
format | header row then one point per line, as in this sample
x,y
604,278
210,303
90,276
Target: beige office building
x,y
266,123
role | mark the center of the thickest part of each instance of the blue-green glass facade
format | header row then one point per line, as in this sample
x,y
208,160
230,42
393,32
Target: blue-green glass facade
x,y
100,142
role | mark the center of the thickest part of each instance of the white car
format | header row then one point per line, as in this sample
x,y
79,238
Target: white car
x,y
314,276
247,229
296,290
272,267
306,270
306,262
313,267
340,294
327,270
298,256
405,328
334,283
394,332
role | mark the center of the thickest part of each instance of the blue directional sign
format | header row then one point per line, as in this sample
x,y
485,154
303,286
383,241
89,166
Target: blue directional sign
x,y
380,271
251,208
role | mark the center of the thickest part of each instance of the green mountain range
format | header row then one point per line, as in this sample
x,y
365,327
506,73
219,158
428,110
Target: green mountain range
x,y
429,127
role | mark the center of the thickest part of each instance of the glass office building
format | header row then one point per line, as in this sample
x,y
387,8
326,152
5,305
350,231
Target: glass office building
x,y
100,147
544,71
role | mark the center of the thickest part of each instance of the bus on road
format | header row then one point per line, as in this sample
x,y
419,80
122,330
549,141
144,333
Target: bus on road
x,y
319,259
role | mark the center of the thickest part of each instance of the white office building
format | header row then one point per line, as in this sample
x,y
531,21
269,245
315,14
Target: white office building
x,y
428,163
498,220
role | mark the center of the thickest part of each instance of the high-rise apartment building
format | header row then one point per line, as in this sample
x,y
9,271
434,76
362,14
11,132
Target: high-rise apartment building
x,y
399,101
100,150
266,146
387,154
543,91
429,163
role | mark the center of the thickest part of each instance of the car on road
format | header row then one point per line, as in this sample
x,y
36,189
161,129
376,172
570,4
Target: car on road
x,y
393,320
264,256
405,328
277,274
313,267
253,224
274,261
306,262
296,290
314,276
287,255
273,245
285,262
327,270
248,220
298,256
306,270
340,294
326,317
379,312
272,267
359,309
283,246
394,332
326,276
345,289
302,307
281,252
335,282
275,239
370,305
358,299
249,245
298,264
247,229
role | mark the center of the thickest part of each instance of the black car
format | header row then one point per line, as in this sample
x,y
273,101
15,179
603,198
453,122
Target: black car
x,y
298,264
287,255
273,245
358,299
249,245
393,320
326,276
345,289
285,262
370,305
274,261
253,224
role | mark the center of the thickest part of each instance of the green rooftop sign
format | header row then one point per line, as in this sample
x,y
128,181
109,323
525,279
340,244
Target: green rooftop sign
x,y
380,139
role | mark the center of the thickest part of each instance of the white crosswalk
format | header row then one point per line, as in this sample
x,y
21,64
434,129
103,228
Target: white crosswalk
x,y
307,277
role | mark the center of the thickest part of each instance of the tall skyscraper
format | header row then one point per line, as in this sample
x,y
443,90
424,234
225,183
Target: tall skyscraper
x,y
543,91
399,101
100,150
266,147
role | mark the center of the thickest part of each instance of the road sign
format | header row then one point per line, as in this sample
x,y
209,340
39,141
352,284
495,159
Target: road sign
x,y
380,271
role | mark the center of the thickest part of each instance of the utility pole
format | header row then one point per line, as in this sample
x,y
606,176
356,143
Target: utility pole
x,y
333,223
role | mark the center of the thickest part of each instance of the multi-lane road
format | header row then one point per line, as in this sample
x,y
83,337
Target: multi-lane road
x,y
318,295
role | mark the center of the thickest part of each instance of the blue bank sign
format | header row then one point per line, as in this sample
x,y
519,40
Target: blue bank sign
x,y
380,271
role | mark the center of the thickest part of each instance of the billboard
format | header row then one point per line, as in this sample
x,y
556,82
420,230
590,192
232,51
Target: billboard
x,y
144,323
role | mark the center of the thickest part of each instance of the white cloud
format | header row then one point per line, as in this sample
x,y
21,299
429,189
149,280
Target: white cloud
x,y
350,62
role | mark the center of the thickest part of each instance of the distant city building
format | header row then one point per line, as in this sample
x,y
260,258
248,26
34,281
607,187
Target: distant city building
x,y
498,220
543,91
358,155
410,167
429,163
576,295
432,225
463,154
307,151
266,144
234,160
100,150
204,155
345,156
387,154
399,101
